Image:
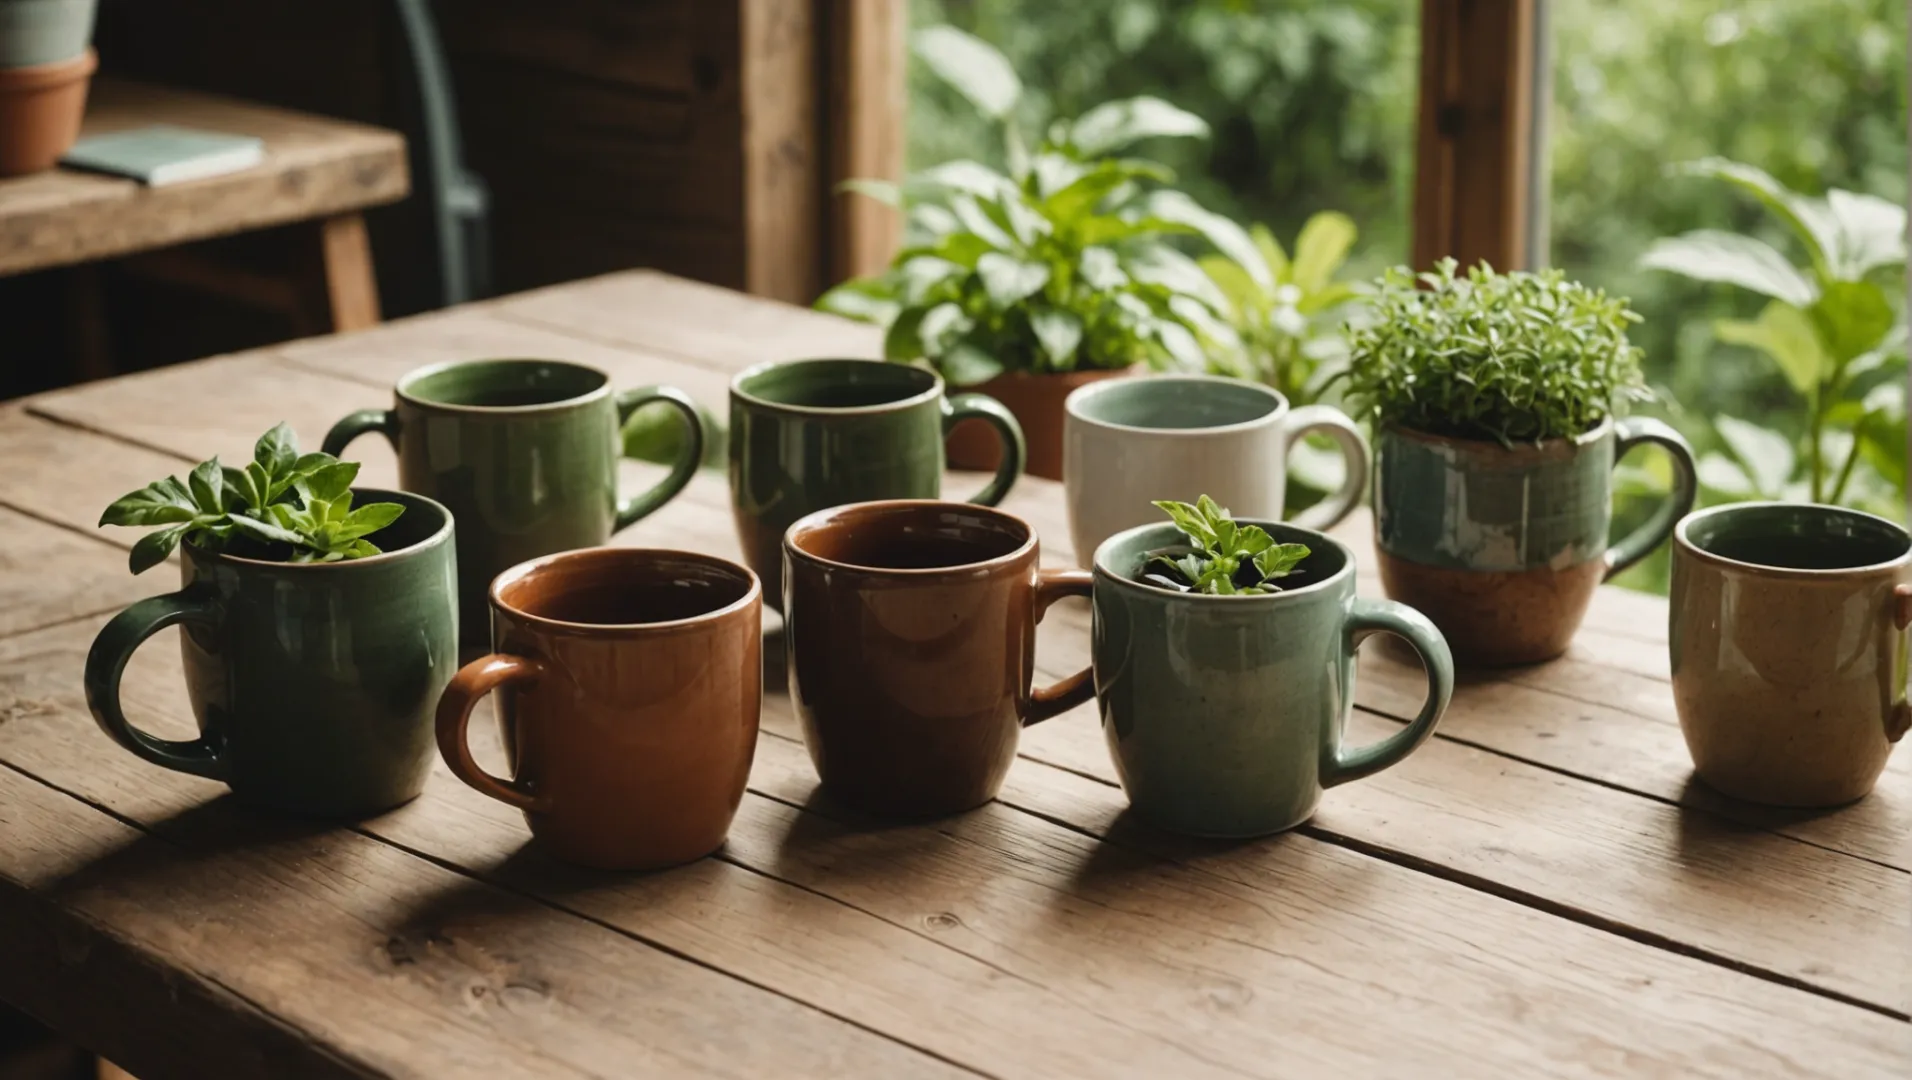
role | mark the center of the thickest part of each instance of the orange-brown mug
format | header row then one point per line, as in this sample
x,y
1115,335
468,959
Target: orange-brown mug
x,y
629,686
911,634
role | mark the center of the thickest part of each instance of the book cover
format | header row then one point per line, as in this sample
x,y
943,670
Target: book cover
x,y
162,154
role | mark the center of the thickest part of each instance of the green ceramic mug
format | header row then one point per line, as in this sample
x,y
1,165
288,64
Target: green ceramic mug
x,y
1225,713
806,435
525,454
314,684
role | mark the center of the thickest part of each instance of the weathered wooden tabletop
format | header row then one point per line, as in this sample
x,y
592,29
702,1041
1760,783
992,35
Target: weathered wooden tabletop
x,y
1541,890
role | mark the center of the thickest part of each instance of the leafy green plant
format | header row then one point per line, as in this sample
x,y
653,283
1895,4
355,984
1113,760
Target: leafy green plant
x,y
1289,319
1228,560
1517,357
1065,262
284,506
1831,329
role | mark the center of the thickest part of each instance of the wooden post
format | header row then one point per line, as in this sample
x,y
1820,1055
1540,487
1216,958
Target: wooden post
x,y
782,159
1472,184
868,66
351,285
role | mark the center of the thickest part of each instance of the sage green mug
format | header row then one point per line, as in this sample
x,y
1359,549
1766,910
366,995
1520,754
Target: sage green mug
x,y
1787,631
314,684
524,453
1224,713
807,435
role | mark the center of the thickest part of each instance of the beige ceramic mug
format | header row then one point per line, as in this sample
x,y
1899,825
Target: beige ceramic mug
x,y
1789,648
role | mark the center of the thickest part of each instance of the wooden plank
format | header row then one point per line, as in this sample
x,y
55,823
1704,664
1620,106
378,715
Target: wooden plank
x,y
1471,192
868,61
49,574
782,159
643,47
70,477
351,284
369,954
313,168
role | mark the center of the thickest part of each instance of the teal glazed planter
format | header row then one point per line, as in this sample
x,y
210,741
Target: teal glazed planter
x,y
524,453
807,435
314,684
1225,714
1503,547
35,32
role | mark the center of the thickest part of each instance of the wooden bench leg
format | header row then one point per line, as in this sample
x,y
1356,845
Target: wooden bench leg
x,y
351,285
110,1071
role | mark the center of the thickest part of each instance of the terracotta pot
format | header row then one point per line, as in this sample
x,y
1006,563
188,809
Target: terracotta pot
x,y
1036,401
40,111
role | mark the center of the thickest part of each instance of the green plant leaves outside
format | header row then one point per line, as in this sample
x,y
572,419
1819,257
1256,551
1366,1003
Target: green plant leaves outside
x,y
1786,334
1732,259
1116,124
970,66
1009,281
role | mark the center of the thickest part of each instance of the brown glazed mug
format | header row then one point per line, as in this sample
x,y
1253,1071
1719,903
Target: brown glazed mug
x,y
629,686
911,632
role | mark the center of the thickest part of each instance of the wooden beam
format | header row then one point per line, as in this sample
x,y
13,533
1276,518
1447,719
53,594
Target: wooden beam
x,y
1473,184
782,159
868,60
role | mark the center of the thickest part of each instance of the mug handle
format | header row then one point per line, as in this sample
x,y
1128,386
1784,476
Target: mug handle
x,y
1900,718
1048,701
474,681
383,421
1014,452
1366,618
689,455
1638,431
1332,422
106,662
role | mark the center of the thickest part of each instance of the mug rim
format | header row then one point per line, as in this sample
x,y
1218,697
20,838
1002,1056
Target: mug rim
x,y
1103,553
1685,545
930,393
1079,398
402,389
1027,549
438,537
529,567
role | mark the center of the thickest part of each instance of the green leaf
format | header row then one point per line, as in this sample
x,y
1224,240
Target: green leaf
x,y
1280,560
1115,124
1871,233
1008,280
158,503
1189,519
152,549
1322,247
971,67
1252,540
1809,218
1100,269
276,450
1732,259
1229,238
1271,251
966,364
311,463
866,299
903,341
882,191
1234,282
264,530
1786,334
366,520
208,482
1851,318
331,481
964,175
1059,332
1766,455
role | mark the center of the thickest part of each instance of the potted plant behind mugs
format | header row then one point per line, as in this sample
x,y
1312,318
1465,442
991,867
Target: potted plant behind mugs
x,y
1026,284
317,635
1496,401
45,66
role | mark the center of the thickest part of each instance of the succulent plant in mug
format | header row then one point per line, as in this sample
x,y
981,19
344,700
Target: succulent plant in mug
x,y
1224,558
283,506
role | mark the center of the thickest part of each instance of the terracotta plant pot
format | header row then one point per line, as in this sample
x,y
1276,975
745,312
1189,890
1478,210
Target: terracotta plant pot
x,y
1502,547
40,111
1036,401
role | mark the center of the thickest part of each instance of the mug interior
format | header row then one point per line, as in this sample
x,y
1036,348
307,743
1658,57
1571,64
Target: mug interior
x,y
622,587
503,384
1175,403
910,536
834,384
422,520
1796,536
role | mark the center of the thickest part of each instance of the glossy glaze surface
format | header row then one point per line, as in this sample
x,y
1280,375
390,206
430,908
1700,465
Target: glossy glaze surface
x,y
629,683
1224,713
911,632
525,453
1129,442
1789,649
313,684
1036,402
806,435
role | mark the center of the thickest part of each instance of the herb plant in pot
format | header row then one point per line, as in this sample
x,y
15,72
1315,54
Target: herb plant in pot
x,y
1497,401
45,66
317,634
1027,283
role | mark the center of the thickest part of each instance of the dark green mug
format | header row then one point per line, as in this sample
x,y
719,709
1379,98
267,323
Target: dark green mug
x,y
314,684
807,435
525,454
1225,713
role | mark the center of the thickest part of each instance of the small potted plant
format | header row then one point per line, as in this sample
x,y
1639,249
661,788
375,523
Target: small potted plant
x,y
1497,403
317,634
1026,284
45,66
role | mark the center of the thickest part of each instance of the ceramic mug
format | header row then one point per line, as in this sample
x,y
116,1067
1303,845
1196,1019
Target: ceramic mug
x,y
313,683
525,454
1788,640
1224,713
810,434
911,633
1129,442
629,683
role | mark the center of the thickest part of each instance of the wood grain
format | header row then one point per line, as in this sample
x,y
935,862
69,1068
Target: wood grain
x,y
784,172
1471,191
313,168
869,95
351,284
49,574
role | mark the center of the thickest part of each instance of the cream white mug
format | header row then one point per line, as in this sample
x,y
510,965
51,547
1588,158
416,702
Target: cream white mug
x,y
1129,442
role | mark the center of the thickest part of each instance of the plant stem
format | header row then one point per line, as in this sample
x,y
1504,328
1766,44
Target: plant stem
x,y
1814,457
1852,458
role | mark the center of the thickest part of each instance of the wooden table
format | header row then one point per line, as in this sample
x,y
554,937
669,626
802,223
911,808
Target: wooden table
x,y
1541,890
